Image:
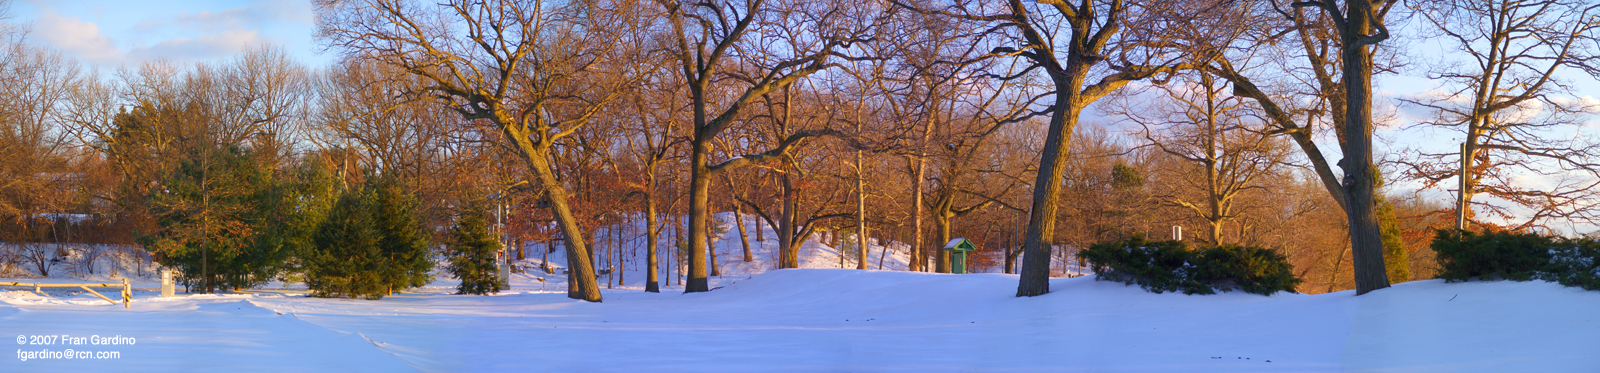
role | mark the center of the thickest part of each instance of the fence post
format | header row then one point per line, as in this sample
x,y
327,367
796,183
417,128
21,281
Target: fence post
x,y
127,294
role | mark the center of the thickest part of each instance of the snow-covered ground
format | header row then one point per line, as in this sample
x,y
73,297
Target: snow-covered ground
x,y
835,320
824,320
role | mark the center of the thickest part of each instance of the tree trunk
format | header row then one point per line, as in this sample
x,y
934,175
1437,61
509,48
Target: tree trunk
x,y
838,249
651,221
622,267
699,214
917,174
711,247
788,254
884,252
1036,245
577,254
1216,232
861,215
1366,239
941,220
744,236
675,255
760,234
572,279
1006,254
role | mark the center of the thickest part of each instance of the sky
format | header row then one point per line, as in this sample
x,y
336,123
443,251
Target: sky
x,y
108,34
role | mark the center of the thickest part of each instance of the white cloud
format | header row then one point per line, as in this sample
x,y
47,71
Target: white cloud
x,y
180,37
255,16
223,44
76,37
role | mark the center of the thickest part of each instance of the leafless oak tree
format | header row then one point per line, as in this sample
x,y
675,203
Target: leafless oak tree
x,y
535,71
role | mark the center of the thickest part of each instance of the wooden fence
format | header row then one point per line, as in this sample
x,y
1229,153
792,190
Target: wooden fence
x,y
127,291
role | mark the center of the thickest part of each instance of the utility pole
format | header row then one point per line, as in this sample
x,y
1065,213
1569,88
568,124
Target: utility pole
x,y
1461,194
503,260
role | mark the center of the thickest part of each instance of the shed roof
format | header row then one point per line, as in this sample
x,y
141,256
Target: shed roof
x,y
960,244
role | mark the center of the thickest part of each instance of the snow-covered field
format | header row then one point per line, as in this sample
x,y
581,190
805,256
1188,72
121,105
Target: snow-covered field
x,y
823,320
835,320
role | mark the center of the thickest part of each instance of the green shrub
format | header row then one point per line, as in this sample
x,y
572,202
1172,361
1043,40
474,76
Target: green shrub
x,y
1465,255
1251,269
1163,266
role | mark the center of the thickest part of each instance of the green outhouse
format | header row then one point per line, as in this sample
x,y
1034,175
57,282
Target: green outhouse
x,y
958,249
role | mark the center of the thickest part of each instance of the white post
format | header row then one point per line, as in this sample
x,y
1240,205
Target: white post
x,y
505,273
1177,233
500,235
167,288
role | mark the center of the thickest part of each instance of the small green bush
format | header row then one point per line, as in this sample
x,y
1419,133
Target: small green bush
x,y
1251,269
1465,255
1162,266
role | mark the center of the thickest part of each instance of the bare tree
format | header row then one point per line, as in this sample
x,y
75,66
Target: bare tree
x,y
656,117
1074,43
36,177
804,206
1337,40
773,45
365,109
536,72
1508,95
1199,124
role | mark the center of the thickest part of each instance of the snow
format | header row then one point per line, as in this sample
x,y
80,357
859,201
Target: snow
x,y
821,319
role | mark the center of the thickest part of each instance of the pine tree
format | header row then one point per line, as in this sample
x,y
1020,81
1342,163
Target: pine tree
x,y
296,209
472,253
1395,257
371,244
210,210
1396,261
344,261
403,242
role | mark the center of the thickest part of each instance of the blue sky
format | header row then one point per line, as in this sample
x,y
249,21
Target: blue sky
x,y
109,34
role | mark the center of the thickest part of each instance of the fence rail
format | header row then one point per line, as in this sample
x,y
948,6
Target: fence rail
x,y
127,291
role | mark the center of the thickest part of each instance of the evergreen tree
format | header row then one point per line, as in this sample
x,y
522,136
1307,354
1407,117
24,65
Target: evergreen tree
x,y
344,261
370,244
1395,257
472,253
1396,260
298,206
404,241
210,210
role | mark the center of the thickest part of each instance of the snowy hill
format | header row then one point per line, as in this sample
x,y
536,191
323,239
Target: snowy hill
x,y
822,320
